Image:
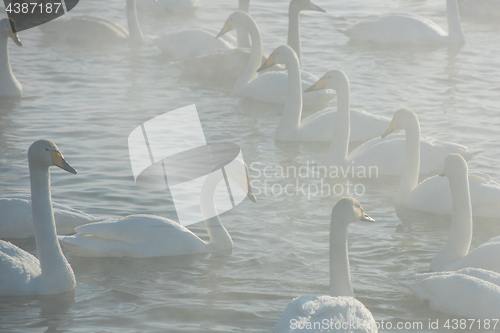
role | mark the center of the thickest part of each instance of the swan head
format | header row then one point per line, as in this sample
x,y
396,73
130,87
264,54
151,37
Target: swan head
x,y
298,5
400,121
349,210
281,55
455,166
45,153
237,171
238,19
334,79
8,29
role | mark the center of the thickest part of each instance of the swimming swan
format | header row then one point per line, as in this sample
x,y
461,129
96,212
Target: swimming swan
x,y
469,292
408,29
386,155
340,306
9,86
16,219
272,87
91,30
143,236
433,195
455,255
364,126
22,273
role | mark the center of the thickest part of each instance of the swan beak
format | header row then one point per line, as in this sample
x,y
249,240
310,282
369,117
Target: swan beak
x,y
269,62
58,160
318,85
13,33
313,6
366,218
389,130
225,28
250,195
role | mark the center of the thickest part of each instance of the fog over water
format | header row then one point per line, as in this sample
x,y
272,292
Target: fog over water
x,y
89,101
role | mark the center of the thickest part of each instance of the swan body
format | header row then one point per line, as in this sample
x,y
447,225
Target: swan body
x,y
9,85
433,196
408,29
143,236
384,154
95,31
16,219
22,273
455,255
311,311
469,292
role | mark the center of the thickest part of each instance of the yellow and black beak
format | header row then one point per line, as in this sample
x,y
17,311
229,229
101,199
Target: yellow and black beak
x,y
250,194
225,28
315,7
366,218
13,33
318,85
268,63
58,160
389,130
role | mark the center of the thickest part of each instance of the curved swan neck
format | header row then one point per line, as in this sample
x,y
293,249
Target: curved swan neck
x,y
255,55
5,68
219,237
337,153
411,169
242,35
134,29
54,266
294,32
292,113
455,32
340,277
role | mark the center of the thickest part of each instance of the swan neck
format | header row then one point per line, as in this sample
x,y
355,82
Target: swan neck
x,y
255,55
135,32
455,32
242,35
411,169
294,32
337,153
53,264
340,278
5,69
219,237
460,237
292,113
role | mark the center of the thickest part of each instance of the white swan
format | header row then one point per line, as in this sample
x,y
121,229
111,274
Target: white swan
x,y
385,156
272,87
16,219
309,313
455,255
433,195
364,126
408,29
469,292
143,236
192,43
9,85
95,31
483,10
22,273
170,6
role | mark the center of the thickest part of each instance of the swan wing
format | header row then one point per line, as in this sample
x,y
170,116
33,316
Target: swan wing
x,y
486,257
321,313
18,270
136,236
464,293
396,29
